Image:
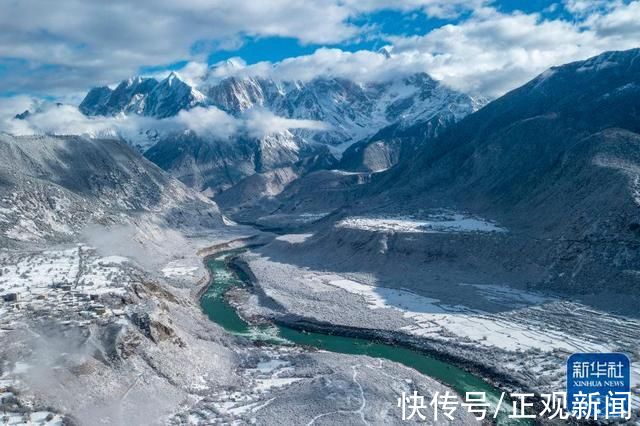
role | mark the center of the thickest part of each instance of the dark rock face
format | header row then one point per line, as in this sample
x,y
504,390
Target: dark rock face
x,y
391,144
201,164
23,115
126,97
212,166
96,101
169,97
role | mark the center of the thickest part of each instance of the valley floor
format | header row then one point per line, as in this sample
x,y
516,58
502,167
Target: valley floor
x,y
519,340
102,333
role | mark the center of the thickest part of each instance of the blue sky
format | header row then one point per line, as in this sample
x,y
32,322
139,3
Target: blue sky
x,y
58,50
385,22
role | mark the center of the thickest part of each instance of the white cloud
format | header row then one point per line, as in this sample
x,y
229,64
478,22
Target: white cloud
x,y
621,23
206,122
489,53
77,43
211,122
434,8
62,47
582,8
259,122
50,46
65,119
10,106
493,52
361,66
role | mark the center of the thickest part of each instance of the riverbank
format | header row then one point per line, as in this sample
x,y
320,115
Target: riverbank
x,y
207,253
316,336
515,339
295,369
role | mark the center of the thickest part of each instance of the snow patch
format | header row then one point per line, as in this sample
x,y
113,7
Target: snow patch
x,y
438,223
294,238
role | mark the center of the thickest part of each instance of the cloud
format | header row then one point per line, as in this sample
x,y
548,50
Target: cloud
x,y
433,8
583,8
73,44
49,118
621,23
62,48
489,54
210,122
259,122
10,106
206,122
53,47
360,66
493,52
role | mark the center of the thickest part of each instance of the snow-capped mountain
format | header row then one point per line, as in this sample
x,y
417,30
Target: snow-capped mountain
x,y
143,96
351,112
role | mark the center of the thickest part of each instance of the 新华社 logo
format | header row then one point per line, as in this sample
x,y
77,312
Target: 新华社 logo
x,y
599,385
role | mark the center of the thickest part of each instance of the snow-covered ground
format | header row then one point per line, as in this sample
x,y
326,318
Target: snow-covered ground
x,y
92,321
291,220
65,284
290,385
89,332
434,319
523,335
441,222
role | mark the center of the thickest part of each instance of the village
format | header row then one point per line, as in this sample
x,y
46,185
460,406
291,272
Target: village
x,y
67,288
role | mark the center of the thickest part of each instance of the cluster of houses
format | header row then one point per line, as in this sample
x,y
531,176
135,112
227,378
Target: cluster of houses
x,y
62,301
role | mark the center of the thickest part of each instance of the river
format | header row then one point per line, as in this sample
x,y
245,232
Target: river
x,y
217,308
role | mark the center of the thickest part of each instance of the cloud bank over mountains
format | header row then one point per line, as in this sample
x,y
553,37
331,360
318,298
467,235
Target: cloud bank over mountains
x,y
209,122
488,54
63,48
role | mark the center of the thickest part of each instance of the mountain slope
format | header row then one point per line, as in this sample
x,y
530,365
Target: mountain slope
x,y
215,165
391,144
557,161
506,149
51,187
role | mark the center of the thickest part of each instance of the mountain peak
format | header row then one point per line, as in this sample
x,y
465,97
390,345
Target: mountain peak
x,y
235,63
172,78
353,110
95,103
134,80
385,52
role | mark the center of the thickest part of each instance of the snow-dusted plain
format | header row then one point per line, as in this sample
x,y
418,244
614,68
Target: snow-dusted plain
x,y
292,386
442,222
522,336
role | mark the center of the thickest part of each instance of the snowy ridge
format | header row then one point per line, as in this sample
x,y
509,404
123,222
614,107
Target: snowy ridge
x,y
143,96
351,110
55,186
